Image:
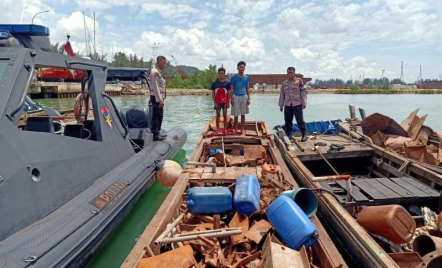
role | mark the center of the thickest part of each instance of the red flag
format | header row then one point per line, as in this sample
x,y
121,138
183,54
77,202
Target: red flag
x,y
68,49
70,52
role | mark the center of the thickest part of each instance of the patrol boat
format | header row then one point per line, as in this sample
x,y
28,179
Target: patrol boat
x,y
62,194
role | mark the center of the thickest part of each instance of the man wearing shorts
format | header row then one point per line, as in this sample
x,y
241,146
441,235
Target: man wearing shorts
x,y
220,97
240,97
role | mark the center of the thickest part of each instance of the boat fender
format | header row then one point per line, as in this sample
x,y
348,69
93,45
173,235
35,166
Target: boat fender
x,y
167,172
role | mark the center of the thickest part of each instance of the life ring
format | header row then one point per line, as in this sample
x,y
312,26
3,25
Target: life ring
x,y
84,107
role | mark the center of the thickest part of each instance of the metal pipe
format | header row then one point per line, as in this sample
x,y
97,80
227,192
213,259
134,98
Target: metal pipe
x,y
170,227
213,165
334,178
92,64
30,69
325,159
208,234
298,145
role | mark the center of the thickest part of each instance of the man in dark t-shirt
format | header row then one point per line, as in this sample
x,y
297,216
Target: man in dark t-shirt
x,y
220,96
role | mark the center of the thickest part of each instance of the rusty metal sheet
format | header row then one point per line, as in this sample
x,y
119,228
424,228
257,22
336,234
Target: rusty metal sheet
x,y
424,134
180,258
258,230
396,143
407,122
255,152
439,135
416,126
379,138
280,256
406,259
242,221
385,124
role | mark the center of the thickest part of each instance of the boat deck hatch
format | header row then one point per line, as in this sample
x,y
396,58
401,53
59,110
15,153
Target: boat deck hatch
x,y
382,191
332,147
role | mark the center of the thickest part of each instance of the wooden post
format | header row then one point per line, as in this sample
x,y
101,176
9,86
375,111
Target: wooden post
x,y
352,111
362,112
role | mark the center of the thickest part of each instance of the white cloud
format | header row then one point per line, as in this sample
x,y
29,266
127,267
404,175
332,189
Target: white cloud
x,y
302,53
169,10
322,39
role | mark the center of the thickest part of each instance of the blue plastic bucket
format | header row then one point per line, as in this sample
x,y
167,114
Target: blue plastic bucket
x,y
305,198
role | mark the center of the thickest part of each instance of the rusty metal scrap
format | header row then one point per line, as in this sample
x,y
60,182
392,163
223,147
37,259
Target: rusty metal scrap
x,y
258,230
181,258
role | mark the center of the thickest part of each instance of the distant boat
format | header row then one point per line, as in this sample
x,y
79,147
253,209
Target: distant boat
x,y
61,75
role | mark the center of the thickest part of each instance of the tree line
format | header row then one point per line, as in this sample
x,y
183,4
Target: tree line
x,y
196,79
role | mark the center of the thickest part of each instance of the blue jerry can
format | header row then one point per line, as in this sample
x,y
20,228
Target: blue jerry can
x,y
291,223
209,200
247,194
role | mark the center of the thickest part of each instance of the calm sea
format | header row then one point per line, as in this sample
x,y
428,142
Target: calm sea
x,y
192,113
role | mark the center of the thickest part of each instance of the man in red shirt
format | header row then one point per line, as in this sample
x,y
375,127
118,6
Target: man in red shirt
x,y
220,96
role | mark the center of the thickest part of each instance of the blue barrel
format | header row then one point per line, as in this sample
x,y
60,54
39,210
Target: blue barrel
x,y
247,194
209,200
291,223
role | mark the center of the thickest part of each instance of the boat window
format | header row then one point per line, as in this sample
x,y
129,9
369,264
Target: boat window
x,y
53,107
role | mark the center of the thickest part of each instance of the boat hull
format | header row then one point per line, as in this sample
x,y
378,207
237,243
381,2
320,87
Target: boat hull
x,y
69,236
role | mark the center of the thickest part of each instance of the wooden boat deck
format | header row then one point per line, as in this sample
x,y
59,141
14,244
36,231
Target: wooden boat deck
x,y
239,149
382,191
352,148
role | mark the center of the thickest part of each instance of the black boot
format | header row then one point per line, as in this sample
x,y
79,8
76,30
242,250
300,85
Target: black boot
x,y
303,138
157,137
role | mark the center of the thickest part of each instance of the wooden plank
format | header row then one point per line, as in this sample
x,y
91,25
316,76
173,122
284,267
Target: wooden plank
x,y
421,171
355,193
381,188
352,111
339,155
394,187
362,112
167,210
404,184
422,187
368,189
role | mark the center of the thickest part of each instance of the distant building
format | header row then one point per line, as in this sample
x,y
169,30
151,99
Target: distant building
x,y
431,85
402,87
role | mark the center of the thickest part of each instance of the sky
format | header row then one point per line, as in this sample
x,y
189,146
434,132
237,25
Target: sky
x,y
321,39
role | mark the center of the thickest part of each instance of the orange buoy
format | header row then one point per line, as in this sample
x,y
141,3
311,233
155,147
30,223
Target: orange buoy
x,y
167,172
84,107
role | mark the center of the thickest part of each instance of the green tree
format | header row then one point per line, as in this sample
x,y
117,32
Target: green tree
x,y
354,87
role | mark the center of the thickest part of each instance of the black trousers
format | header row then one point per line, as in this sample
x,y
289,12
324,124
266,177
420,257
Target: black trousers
x,y
289,111
157,116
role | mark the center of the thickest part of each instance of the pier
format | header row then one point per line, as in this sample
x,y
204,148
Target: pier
x,y
48,90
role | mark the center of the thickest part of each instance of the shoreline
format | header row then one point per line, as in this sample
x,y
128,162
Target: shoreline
x,y
202,92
